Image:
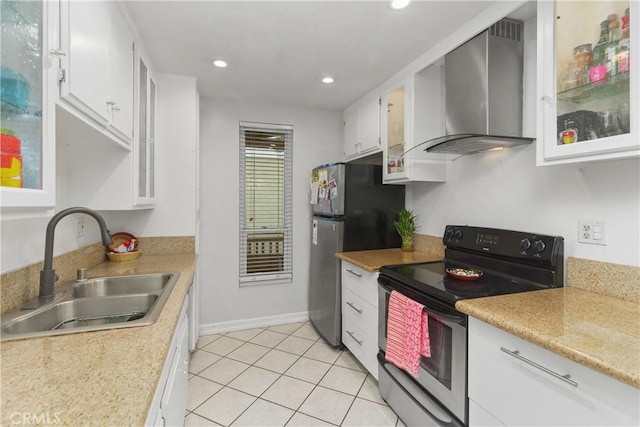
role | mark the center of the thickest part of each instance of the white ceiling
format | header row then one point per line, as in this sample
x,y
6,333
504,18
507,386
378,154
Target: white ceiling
x,y
278,51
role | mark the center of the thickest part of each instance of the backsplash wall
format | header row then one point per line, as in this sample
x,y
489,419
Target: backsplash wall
x,y
21,285
506,190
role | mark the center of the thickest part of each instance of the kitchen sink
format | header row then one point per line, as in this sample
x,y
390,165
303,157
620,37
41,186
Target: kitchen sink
x,y
95,304
121,285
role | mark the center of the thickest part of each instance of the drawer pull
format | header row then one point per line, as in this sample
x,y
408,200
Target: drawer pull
x,y
515,353
354,337
354,273
350,304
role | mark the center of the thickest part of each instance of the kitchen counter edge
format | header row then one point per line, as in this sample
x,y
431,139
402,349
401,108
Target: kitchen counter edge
x,y
100,377
372,260
571,322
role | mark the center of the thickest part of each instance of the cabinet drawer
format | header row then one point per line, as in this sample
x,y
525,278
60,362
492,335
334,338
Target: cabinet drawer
x,y
506,373
362,346
363,314
361,282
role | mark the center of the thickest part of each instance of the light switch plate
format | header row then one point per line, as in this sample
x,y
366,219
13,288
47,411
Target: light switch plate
x,y
591,232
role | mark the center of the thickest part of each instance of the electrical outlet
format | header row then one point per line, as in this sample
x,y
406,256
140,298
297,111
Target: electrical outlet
x,y
79,228
591,232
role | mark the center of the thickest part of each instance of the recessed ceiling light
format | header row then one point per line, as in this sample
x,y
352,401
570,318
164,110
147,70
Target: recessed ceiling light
x,y
327,80
398,4
219,63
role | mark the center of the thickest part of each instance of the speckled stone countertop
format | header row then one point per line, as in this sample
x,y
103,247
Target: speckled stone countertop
x,y
595,330
372,260
103,378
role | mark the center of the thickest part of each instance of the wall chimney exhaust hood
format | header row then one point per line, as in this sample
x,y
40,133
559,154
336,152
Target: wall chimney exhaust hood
x,y
483,83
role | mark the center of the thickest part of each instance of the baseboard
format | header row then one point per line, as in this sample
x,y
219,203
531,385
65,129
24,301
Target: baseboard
x,y
256,322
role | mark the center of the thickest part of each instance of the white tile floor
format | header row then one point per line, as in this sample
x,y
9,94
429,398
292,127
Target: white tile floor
x,y
280,376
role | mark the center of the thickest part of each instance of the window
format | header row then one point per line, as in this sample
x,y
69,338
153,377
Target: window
x,y
266,165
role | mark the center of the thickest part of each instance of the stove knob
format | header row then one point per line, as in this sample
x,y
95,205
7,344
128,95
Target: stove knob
x,y
448,234
539,246
458,234
525,244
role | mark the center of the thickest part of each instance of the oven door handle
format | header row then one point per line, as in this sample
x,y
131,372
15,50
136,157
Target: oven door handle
x,y
450,317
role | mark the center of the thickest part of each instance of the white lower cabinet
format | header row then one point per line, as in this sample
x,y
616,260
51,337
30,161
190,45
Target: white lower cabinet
x,y
170,400
360,315
514,382
481,417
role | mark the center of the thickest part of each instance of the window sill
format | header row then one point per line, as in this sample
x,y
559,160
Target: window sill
x,y
270,279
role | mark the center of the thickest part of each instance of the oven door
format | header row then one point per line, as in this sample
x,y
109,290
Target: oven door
x,y
444,374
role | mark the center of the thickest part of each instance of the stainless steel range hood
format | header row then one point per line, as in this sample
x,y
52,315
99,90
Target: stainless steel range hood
x,y
483,81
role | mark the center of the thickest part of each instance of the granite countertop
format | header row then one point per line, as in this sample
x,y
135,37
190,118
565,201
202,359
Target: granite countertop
x,y
372,260
95,378
593,329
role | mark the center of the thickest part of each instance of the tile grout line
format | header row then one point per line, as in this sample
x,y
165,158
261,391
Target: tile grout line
x,y
250,365
342,349
257,398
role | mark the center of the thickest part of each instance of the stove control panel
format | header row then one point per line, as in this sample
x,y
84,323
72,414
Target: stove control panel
x,y
504,243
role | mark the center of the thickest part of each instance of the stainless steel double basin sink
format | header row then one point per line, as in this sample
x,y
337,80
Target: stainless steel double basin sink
x,y
94,304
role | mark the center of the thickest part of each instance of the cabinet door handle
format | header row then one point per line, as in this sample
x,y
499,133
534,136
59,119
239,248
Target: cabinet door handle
x,y
354,273
354,337
515,353
350,304
57,52
113,106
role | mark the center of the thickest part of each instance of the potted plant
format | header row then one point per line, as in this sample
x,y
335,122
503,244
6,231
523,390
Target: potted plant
x,y
406,226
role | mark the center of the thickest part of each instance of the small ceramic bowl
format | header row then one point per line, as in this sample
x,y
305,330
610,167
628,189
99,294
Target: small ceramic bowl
x,y
464,274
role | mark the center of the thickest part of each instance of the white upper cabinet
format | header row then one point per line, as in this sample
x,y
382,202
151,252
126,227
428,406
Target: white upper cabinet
x,y
115,102
98,83
29,91
362,130
588,81
394,129
121,56
413,114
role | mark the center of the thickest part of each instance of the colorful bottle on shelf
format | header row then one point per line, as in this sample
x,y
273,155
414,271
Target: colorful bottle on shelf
x,y
598,70
622,58
611,53
10,160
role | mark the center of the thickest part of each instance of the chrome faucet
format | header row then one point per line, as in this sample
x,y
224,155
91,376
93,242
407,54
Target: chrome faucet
x,y
48,274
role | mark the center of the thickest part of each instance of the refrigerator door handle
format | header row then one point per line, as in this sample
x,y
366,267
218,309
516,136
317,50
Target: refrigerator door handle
x,y
354,273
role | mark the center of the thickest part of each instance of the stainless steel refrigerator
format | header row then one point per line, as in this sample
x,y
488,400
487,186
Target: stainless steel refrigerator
x,y
353,211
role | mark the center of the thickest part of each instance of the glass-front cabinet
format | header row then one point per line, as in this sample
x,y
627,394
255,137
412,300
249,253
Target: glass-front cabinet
x,y
28,77
144,147
393,129
588,81
412,113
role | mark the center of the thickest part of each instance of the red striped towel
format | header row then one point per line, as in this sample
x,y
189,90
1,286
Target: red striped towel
x,y
407,333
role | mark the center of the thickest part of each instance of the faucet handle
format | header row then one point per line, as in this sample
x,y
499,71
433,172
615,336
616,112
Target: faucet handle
x,y
81,274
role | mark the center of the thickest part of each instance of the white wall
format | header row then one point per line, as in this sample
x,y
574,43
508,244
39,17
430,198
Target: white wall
x,y
506,190
22,241
317,139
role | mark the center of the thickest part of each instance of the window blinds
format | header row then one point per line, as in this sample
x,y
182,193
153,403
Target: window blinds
x,y
266,170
